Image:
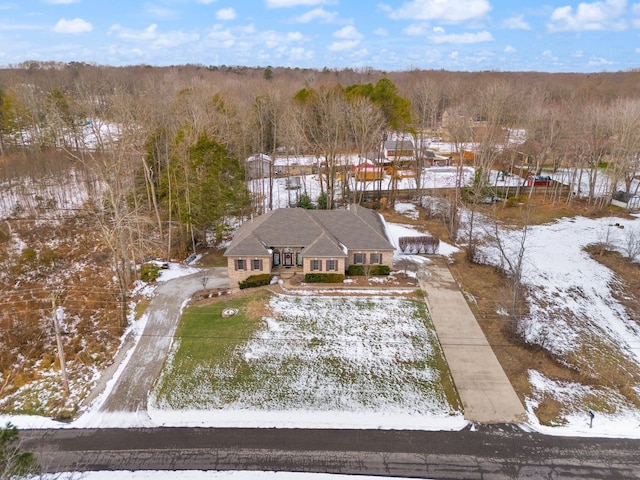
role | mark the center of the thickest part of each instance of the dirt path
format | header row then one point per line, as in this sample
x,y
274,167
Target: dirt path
x,y
486,393
132,387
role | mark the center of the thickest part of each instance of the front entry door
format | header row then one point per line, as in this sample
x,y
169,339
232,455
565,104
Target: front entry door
x,y
287,257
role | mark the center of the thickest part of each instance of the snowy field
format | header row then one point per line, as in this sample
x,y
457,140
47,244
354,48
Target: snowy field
x,y
356,362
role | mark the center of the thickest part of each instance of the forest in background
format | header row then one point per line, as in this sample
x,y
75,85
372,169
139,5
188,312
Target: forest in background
x,y
161,152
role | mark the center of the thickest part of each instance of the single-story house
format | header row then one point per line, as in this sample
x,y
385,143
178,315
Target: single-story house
x,y
304,241
397,149
296,165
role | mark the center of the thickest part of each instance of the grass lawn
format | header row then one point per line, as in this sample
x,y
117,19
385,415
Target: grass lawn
x,y
350,354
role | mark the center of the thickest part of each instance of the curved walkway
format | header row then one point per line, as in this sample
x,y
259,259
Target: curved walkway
x,y
486,393
134,383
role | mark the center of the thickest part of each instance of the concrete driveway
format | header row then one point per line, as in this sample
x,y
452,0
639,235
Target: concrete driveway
x,y
486,393
133,384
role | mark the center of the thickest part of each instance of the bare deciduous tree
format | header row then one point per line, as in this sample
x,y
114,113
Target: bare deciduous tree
x,y
632,243
512,259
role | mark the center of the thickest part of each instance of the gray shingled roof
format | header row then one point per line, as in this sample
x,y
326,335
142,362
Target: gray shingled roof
x,y
323,233
406,144
325,246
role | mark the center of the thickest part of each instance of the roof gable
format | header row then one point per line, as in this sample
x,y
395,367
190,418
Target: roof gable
x,y
325,246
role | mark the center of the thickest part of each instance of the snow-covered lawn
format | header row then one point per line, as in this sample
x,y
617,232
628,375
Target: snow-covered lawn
x,y
372,362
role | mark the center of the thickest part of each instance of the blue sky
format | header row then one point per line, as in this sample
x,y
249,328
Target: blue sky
x,y
553,36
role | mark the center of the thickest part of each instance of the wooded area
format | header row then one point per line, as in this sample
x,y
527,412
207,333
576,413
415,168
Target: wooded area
x,y
164,148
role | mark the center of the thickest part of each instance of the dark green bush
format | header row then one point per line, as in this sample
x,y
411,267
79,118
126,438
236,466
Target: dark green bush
x,y
359,270
255,281
355,270
324,278
149,272
380,270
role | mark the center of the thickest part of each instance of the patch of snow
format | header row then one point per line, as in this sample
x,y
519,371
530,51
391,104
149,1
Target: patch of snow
x,y
395,231
176,270
407,209
625,422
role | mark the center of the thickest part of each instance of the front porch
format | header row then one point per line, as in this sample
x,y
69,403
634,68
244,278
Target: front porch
x,y
287,271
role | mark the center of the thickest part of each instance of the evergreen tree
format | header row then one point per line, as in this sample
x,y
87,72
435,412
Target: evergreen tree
x,y
13,461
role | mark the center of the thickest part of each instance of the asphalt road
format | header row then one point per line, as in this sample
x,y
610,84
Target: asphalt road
x,y
491,452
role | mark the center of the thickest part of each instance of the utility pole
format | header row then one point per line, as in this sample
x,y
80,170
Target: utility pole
x,y
58,316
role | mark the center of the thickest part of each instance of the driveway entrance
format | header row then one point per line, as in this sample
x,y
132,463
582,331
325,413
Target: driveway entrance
x,y
486,393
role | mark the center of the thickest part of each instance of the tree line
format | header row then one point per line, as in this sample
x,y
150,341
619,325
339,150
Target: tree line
x,y
168,144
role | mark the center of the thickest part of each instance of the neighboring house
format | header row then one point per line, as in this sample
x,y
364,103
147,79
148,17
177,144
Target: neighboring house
x,y
428,158
304,241
367,171
295,165
398,149
258,166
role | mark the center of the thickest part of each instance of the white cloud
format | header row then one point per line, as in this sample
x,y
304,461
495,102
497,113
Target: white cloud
x,y
272,39
148,33
317,14
416,29
383,32
599,61
462,37
607,15
61,2
161,12
516,23
447,11
248,39
295,3
226,14
154,38
300,53
349,37
348,32
206,2
343,45
510,49
77,25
